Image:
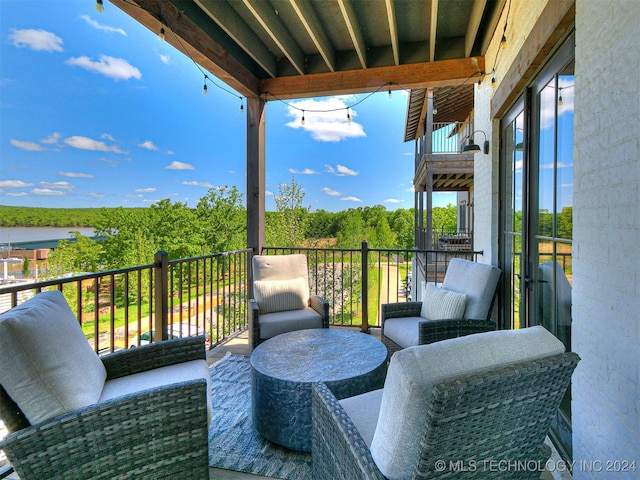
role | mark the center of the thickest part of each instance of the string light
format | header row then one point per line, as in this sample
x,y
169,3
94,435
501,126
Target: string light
x,y
479,83
493,82
161,34
99,6
348,116
302,120
241,105
503,42
389,93
560,99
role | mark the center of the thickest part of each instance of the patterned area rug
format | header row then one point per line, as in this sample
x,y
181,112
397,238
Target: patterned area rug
x,y
233,442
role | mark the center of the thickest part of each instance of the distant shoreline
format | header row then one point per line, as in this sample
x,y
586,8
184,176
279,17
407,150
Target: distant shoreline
x,y
19,236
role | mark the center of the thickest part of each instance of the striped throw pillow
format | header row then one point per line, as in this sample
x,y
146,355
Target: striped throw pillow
x,y
281,295
441,304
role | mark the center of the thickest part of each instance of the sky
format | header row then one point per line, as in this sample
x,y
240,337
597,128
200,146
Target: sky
x,y
97,111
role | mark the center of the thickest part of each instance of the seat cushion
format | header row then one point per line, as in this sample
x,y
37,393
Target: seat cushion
x,y
363,411
181,372
273,324
281,295
402,330
441,304
414,371
477,280
48,367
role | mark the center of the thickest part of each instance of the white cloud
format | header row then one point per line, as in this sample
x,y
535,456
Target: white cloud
x,y
94,195
175,165
411,189
392,200
16,194
149,145
116,68
28,146
351,199
198,184
341,171
86,143
325,119
57,185
14,184
306,171
145,190
46,192
36,40
51,139
166,59
333,193
75,175
106,136
170,152
99,26
268,193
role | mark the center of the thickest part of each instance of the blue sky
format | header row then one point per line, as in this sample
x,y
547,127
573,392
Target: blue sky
x,y
96,110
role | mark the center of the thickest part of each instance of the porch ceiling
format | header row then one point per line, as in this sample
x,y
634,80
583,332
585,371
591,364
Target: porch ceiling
x,y
305,48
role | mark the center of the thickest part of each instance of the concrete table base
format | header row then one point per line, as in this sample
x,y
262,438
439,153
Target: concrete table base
x,y
284,367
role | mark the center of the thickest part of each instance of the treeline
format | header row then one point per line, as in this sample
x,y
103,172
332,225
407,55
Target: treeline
x,y
51,217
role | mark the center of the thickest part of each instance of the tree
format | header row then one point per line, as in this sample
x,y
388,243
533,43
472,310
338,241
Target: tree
x,y
444,219
79,255
222,220
289,226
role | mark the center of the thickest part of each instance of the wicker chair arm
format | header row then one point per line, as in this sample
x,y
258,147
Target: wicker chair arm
x,y
321,306
430,331
154,355
400,309
338,450
112,439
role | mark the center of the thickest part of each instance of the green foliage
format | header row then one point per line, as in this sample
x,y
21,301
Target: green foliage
x,y
78,255
25,267
50,217
222,220
288,226
444,219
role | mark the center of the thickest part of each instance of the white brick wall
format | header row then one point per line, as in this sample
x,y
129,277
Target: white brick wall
x,y
606,279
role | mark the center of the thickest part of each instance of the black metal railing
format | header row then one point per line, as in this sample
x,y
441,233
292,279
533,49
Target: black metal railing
x,y
121,308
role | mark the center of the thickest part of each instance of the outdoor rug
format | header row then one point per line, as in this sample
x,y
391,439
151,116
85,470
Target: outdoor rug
x,y
234,443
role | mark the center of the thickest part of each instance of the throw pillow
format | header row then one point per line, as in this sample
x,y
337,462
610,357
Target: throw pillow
x,y
48,367
281,295
441,304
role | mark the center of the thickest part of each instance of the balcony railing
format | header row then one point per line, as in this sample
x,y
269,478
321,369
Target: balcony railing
x,y
116,307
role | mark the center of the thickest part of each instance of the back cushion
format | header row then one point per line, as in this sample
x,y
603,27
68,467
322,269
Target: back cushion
x,y
415,370
441,304
477,280
281,295
46,363
279,267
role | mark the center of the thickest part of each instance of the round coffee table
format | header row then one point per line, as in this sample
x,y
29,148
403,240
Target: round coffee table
x,y
284,367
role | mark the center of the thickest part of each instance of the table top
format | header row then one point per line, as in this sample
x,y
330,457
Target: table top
x,y
318,355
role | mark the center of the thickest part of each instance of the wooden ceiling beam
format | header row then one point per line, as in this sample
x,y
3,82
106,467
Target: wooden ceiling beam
x,y
277,31
416,75
474,24
198,44
393,30
349,16
228,19
433,28
313,26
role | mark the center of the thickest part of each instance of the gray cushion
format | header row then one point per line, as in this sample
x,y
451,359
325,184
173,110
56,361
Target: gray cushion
x,y
403,330
279,267
414,371
48,367
281,295
441,304
272,324
181,372
477,280
363,411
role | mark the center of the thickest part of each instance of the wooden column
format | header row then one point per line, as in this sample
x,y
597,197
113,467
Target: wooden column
x,y
255,173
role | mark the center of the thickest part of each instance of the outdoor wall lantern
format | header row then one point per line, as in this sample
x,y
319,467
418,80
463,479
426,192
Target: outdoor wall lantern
x,y
474,147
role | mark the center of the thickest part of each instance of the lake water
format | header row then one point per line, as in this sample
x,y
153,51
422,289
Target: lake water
x,y
16,235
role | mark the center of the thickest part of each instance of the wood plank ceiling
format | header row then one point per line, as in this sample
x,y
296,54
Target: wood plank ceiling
x,y
310,48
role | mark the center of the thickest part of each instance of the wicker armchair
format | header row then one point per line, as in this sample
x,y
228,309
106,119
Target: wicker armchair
x,y
152,432
405,324
281,300
469,422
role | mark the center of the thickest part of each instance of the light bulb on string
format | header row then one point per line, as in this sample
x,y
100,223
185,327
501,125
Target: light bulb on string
x,y
302,119
503,42
479,83
389,94
204,87
493,82
99,6
560,99
348,116
161,34
241,105
435,109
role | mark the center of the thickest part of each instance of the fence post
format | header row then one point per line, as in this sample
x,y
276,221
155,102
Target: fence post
x,y
161,294
365,287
